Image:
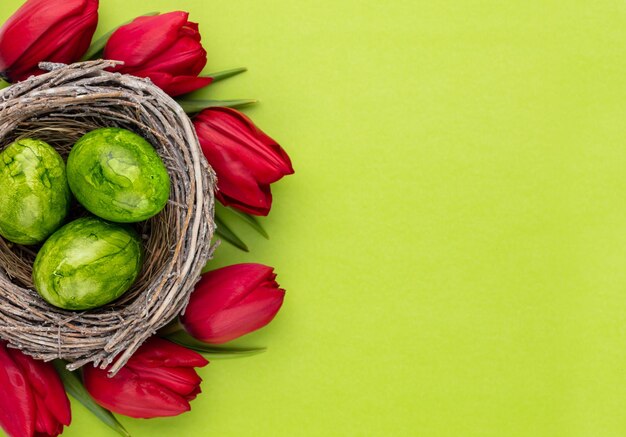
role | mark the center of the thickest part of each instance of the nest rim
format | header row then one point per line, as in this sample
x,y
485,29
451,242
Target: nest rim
x,y
57,107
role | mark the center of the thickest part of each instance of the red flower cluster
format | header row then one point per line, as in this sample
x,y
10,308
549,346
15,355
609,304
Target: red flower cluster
x,y
160,379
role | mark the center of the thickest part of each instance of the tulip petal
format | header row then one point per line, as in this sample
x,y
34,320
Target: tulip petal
x,y
47,387
159,352
181,380
191,29
235,178
126,393
96,49
17,405
45,423
69,47
245,159
253,145
185,57
221,288
64,39
158,381
65,42
253,313
260,206
179,85
165,48
149,36
30,23
232,301
71,50
174,85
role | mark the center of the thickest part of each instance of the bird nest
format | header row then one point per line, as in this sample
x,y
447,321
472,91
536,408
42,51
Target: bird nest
x,y
59,107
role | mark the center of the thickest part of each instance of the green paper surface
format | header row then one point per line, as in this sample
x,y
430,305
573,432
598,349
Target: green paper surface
x,y
453,243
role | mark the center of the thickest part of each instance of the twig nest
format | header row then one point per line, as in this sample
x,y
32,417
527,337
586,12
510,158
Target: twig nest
x,y
59,107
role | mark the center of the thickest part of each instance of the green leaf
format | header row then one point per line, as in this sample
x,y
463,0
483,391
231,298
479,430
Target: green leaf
x,y
227,234
75,387
221,75
97,47
4,84
251,220
211,351
193,106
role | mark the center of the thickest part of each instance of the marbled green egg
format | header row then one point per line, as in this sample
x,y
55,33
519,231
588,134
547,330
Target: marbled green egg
x,y
87,263
34,194
117,175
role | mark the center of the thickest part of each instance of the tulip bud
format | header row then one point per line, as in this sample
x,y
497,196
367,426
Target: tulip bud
x,y
166,48
232,301
32,397
244,158
46,30
159,380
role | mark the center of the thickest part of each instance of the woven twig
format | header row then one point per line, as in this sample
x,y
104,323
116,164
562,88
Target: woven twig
x,y
59,107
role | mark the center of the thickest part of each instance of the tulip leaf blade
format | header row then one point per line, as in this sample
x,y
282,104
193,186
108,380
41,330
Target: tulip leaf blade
x,y
212,351
3,83
97,47
75,387
227,234
253,222
225,74
193,106
249,219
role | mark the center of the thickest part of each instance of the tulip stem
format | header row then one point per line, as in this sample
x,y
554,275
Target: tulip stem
x,y
97,47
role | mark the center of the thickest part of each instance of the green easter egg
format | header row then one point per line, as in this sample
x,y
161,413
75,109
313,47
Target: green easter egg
x,y
34,194
117,175
87,263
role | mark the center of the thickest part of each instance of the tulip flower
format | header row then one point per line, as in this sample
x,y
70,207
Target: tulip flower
x,y
232,301
166,48
158,381
244,158
46,30
32,397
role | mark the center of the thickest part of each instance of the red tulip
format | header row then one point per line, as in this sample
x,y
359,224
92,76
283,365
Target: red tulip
x,y
32,397
46,30
245,159
232,301
158,381
166,48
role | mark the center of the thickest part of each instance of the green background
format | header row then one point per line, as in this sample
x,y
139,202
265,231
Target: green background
x,y
453,242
